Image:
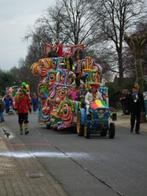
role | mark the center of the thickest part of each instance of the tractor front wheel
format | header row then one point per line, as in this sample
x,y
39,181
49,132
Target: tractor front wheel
x,y
104,132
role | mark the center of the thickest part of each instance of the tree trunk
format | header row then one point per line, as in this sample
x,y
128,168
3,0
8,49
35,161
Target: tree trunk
x,y
120,65
139,76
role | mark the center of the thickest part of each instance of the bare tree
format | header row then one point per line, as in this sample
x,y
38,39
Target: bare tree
x,y
116,17
70,21
51,22
77,20
37,37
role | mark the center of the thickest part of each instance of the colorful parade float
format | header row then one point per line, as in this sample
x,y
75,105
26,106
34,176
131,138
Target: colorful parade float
x,y
66,77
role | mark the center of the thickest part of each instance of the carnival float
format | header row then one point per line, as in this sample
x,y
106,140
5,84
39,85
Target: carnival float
x,y
65,77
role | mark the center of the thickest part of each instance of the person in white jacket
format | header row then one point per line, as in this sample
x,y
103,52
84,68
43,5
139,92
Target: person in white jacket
x,y
88,99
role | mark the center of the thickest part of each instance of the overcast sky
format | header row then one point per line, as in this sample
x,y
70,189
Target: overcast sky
x,y
15,18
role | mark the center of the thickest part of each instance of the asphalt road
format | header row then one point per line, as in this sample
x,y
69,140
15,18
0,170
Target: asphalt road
x,y
89,167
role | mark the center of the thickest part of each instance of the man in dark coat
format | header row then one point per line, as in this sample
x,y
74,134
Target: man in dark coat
x,y
136,104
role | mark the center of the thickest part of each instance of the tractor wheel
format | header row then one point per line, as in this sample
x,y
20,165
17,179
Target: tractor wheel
x,y
104,132
112,131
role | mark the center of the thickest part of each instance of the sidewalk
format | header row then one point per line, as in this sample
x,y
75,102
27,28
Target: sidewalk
x,y
124,121
24,176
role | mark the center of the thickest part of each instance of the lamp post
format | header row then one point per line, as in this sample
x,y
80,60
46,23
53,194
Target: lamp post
x,y
136,42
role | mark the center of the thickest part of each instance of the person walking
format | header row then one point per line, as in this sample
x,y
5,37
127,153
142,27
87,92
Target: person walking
x,y
23,106
136,106
34,102
8,103
1,109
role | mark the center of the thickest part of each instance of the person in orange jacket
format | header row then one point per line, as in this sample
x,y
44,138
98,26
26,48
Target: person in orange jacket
x,y
23,106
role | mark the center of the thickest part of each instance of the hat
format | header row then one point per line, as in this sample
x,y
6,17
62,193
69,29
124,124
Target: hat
x,y
136,86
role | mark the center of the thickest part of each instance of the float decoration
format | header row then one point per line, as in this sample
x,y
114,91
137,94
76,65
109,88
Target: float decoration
x,y
59,75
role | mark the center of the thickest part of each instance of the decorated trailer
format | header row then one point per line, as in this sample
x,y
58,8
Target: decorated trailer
x,y
64,83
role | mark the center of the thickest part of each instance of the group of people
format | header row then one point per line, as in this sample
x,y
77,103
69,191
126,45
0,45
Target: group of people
x,y
132,104
87,96
22,103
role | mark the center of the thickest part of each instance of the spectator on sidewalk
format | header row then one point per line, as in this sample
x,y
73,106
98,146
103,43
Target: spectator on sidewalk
x,y
23,106
124,99
1,109
34,102
8,103
136,104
